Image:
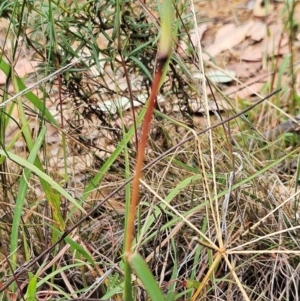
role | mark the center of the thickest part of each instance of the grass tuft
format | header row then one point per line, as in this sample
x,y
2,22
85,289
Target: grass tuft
x,y
127,173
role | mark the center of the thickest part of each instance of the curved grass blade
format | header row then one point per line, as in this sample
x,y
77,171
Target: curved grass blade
x,y
42,175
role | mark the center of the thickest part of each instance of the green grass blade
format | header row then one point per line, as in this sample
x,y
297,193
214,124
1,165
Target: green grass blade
x,y
144,274
42,175
134,53
21,198
74,245
52,197
142,66
31,290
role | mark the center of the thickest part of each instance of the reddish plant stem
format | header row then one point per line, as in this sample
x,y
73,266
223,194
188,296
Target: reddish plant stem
x,y
140,155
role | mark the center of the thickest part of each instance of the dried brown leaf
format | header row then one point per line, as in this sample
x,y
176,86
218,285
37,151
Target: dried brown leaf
x,y
227,37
